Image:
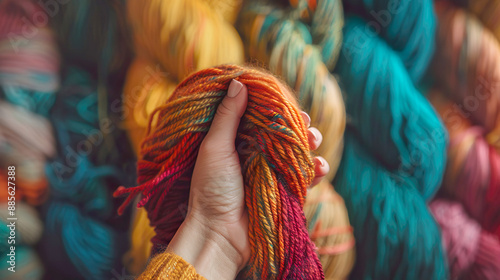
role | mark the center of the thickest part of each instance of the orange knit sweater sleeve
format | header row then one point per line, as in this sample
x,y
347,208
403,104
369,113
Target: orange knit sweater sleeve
x,y
170,266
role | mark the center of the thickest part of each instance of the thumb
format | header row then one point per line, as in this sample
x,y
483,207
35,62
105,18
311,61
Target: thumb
x,y
225,124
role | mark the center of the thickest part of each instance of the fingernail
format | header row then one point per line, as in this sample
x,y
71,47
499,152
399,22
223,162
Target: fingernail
x,y
313,132
234,88
306,118
321,161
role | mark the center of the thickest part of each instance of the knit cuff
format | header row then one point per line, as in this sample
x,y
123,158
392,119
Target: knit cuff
x,y
170,266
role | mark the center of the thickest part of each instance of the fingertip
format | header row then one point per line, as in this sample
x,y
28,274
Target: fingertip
x,y
314,137
235,88
321,169
321,166
237,93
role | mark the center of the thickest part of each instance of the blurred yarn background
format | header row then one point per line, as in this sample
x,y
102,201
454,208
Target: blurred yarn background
x,y
405,93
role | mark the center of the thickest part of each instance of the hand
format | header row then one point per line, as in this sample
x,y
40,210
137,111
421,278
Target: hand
x,y
214,235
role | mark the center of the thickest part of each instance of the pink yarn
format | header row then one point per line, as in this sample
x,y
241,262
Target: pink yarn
x,y
28,51
471,184
472,253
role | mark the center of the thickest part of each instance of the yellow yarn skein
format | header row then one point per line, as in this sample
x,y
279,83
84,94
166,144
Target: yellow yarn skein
x,y
136,258
171,40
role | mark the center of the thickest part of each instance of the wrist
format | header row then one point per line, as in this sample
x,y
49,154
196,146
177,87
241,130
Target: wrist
x,y
210,253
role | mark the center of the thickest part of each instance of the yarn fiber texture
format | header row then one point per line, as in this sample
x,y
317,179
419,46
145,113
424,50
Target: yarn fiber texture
x,y
468,99
395,145
300,42
277,168
472,252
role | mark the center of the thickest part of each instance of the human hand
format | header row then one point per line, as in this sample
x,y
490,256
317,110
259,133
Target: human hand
x,y
214,235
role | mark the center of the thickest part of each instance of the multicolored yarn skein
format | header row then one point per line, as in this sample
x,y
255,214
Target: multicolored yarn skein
x,y
277,169
395,145
171,39
468,72
472,252
301,43
29,66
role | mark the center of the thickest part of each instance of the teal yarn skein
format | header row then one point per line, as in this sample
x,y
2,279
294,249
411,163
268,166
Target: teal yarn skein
x,y
408,27
83,237
395,144
392,118
396,235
